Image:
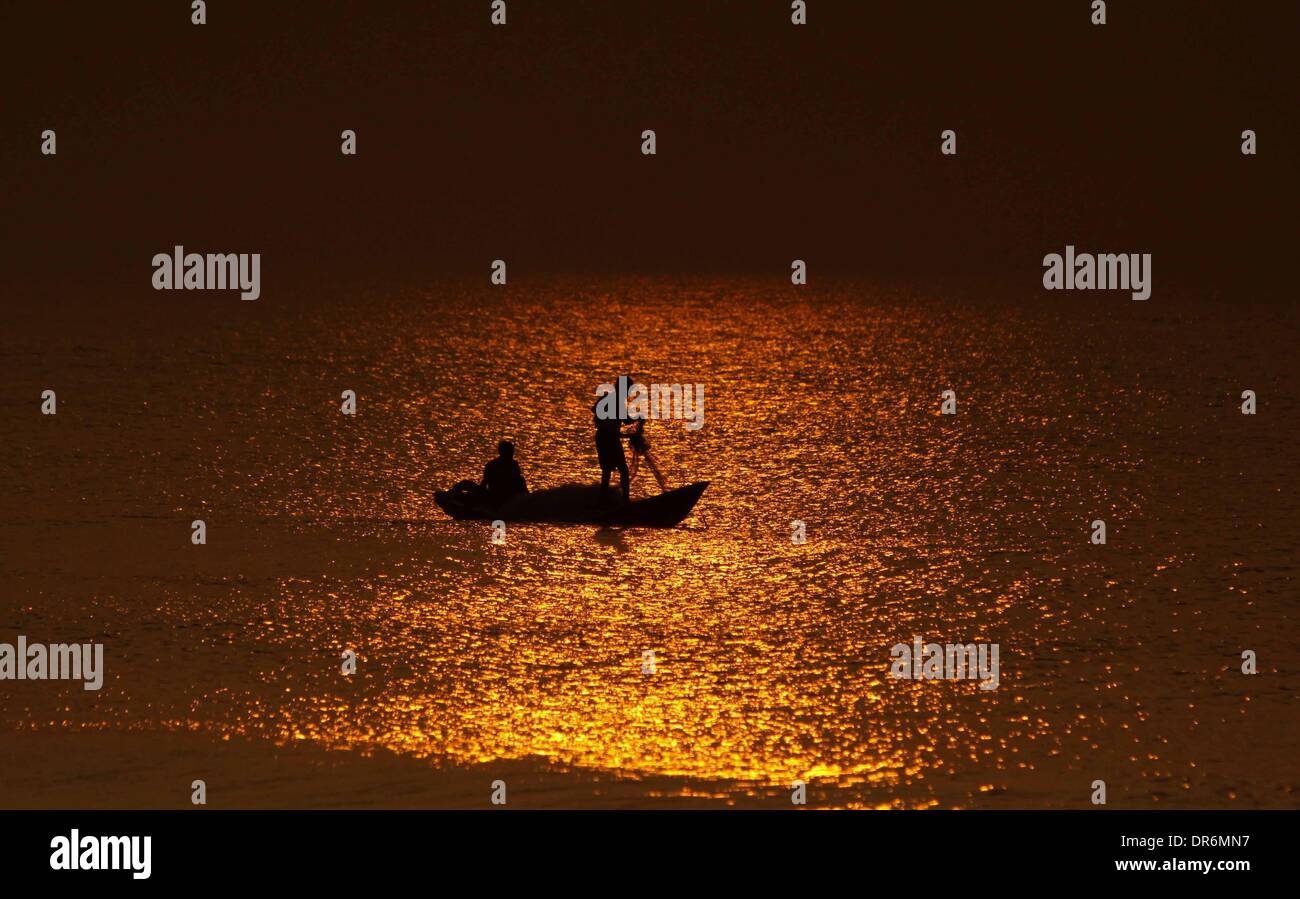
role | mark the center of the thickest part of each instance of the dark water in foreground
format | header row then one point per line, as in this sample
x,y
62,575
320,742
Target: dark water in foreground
x,y
1119,662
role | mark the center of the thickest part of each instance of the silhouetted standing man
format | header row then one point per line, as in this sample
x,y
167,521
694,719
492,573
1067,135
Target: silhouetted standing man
x,y
609,442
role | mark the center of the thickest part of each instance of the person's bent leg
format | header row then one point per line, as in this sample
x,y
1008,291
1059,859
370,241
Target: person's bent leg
x,y
623,481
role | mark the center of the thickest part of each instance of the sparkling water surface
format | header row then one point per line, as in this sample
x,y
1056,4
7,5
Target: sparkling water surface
x,y
772,659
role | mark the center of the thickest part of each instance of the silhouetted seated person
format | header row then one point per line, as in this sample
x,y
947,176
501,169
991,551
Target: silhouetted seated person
x,y
502,479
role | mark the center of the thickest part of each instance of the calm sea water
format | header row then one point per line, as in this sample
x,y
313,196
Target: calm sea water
x,y
1119,662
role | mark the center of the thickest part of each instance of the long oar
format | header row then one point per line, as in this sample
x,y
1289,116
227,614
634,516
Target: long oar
x,y
640,448
654,469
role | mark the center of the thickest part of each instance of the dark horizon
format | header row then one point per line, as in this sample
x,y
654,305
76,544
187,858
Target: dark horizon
x,y
776,142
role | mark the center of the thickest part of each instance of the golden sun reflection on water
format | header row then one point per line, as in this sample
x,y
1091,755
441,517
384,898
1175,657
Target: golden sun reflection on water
x,y
771,659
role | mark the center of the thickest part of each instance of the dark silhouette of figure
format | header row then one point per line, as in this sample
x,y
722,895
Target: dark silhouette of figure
x,y
609,444
502,478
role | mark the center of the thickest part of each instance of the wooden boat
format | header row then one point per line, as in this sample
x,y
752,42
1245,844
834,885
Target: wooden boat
x,y
576,504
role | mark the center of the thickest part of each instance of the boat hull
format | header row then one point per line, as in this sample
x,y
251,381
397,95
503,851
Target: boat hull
x,y
574,504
